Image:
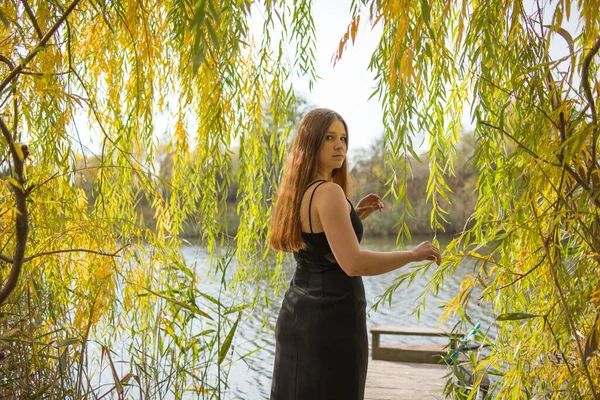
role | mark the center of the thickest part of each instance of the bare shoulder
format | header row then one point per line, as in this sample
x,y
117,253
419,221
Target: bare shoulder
x,y
330,192
330,196
319,202
332,188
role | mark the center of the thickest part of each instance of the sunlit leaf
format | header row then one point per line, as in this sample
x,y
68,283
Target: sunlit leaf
x,y
228,340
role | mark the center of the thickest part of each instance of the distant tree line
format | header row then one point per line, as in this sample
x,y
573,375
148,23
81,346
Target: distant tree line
x,y
369,175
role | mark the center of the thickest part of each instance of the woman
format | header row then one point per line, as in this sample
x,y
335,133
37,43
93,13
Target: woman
x,y
321,335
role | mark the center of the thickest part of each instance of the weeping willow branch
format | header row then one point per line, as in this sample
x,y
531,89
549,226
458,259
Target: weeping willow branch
x,y
102,253
22,226
562,353
521,276
568,169
46,253
552,267
18,184
590,100
33,20
521,145
7,61
19,68
11,66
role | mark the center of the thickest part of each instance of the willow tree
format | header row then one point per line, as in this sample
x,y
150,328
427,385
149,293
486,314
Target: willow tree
x,y
111,73
88,86
536,224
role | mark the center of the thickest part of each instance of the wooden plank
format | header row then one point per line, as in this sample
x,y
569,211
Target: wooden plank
x,y
394,330
387,380
414,353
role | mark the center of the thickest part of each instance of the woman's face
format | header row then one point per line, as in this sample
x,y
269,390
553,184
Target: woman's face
x,y
333,149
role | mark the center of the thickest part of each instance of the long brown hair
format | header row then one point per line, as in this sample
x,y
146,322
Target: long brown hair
x,y
286,228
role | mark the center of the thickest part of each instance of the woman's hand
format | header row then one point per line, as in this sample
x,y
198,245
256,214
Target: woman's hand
x,y
427,251
369,204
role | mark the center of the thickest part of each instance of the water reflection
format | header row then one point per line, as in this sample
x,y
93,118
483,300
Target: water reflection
x,y
250,376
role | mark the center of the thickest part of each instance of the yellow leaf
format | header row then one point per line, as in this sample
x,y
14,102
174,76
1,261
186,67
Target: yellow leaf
x,y
354,28
19,152
14,182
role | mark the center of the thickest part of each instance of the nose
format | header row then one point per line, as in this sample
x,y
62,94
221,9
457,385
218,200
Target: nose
x,y
339,145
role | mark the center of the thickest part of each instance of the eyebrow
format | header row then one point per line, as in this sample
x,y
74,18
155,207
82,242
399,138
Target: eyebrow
x,y
333,133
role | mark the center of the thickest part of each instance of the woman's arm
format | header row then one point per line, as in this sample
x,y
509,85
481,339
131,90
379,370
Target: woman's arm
x,y
331,206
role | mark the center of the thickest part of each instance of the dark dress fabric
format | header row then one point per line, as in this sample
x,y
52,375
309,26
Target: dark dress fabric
x,y
321,335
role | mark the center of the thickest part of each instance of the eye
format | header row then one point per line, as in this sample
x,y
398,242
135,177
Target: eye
x,y
328,137
345,139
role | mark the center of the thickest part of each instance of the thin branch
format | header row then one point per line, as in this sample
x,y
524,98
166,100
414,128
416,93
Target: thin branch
x,y
84,342
102,253
19,68
33,19
521,145
563,135
585,78
103,129
15,113
59,175
552,265
46,253
11,65
590,100
540,109
559,349
568,169
32,73
521,276
7,61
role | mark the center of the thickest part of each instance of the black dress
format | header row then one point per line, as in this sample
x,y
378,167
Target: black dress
x,y
321,334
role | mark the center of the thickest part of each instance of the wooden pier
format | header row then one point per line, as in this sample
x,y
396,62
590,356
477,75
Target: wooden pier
x,y
395,380
408,371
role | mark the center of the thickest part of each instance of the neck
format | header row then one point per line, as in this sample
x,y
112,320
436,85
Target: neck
x,y
322,175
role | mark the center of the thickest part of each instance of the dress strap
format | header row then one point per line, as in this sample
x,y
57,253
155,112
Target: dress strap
x,y
311,199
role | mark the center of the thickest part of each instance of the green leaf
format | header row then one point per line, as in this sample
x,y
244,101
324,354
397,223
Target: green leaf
x,y
252,352
213,35
68,342
515,316
209,298
3,19
426,11
62,361
227,343
188,307
238,308
205,332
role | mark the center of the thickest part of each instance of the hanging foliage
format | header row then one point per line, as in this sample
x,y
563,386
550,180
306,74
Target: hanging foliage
x,y
535,229
89,85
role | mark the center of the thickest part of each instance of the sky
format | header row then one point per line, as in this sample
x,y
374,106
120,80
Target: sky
x,y
346,88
